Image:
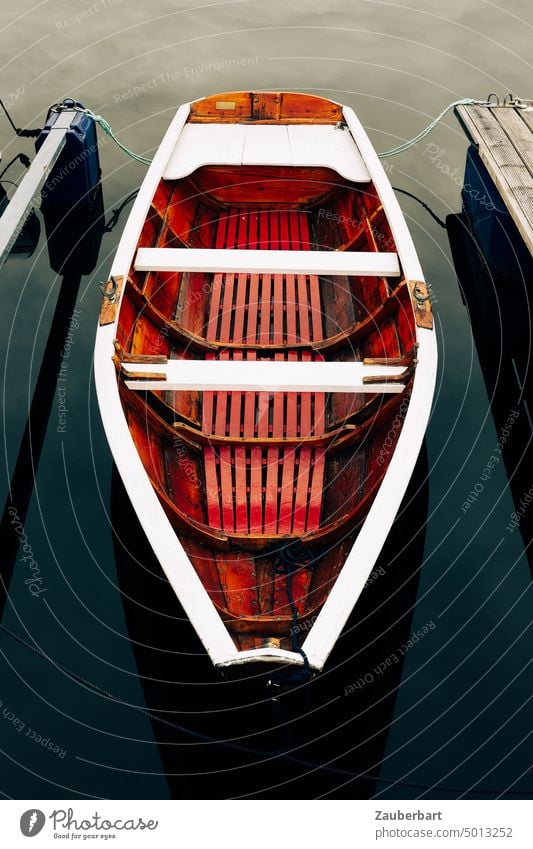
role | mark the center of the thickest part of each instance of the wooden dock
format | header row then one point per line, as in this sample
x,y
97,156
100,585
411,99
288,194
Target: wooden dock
x,y
503,134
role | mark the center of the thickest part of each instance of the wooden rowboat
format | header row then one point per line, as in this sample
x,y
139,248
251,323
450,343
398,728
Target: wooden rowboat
x,y
265,366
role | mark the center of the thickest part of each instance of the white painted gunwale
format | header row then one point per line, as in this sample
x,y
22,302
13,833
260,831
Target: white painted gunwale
x,y
166,545
375,529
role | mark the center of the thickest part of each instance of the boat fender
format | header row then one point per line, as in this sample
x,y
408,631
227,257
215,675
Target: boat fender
x,y
75,177
71,199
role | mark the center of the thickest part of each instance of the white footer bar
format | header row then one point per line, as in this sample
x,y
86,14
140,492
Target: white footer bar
x,y
260,376
226,261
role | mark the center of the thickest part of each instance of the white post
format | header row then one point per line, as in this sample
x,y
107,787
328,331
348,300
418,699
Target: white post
x,y
20,205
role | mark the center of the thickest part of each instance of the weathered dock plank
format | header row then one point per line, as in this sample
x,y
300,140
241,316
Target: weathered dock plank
x,y
519,133
503,134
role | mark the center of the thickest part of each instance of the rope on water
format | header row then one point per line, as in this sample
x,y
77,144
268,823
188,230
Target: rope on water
x,y
466,101
435,217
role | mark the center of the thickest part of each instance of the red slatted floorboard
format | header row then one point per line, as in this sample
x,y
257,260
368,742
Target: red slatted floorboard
x,y
261,490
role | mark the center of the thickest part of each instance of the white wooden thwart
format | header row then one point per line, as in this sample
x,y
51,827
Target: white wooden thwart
x,y
265,376
211,260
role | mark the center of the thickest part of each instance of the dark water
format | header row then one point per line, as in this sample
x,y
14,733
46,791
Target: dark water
x,y
454,711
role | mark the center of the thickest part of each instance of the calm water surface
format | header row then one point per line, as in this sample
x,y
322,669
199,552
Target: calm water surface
x,y
456,713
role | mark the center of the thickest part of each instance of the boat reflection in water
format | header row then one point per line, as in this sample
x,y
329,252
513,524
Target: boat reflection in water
x,y
495,274
337,721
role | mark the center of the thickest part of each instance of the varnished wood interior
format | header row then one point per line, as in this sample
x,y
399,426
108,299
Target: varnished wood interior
x,y
241,474
265,107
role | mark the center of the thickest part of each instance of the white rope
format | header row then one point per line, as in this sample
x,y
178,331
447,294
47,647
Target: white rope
x,y
466,101
106,127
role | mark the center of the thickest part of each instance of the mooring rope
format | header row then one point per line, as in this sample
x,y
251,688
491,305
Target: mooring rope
x,y
291,559
425,206
466,101
106,127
